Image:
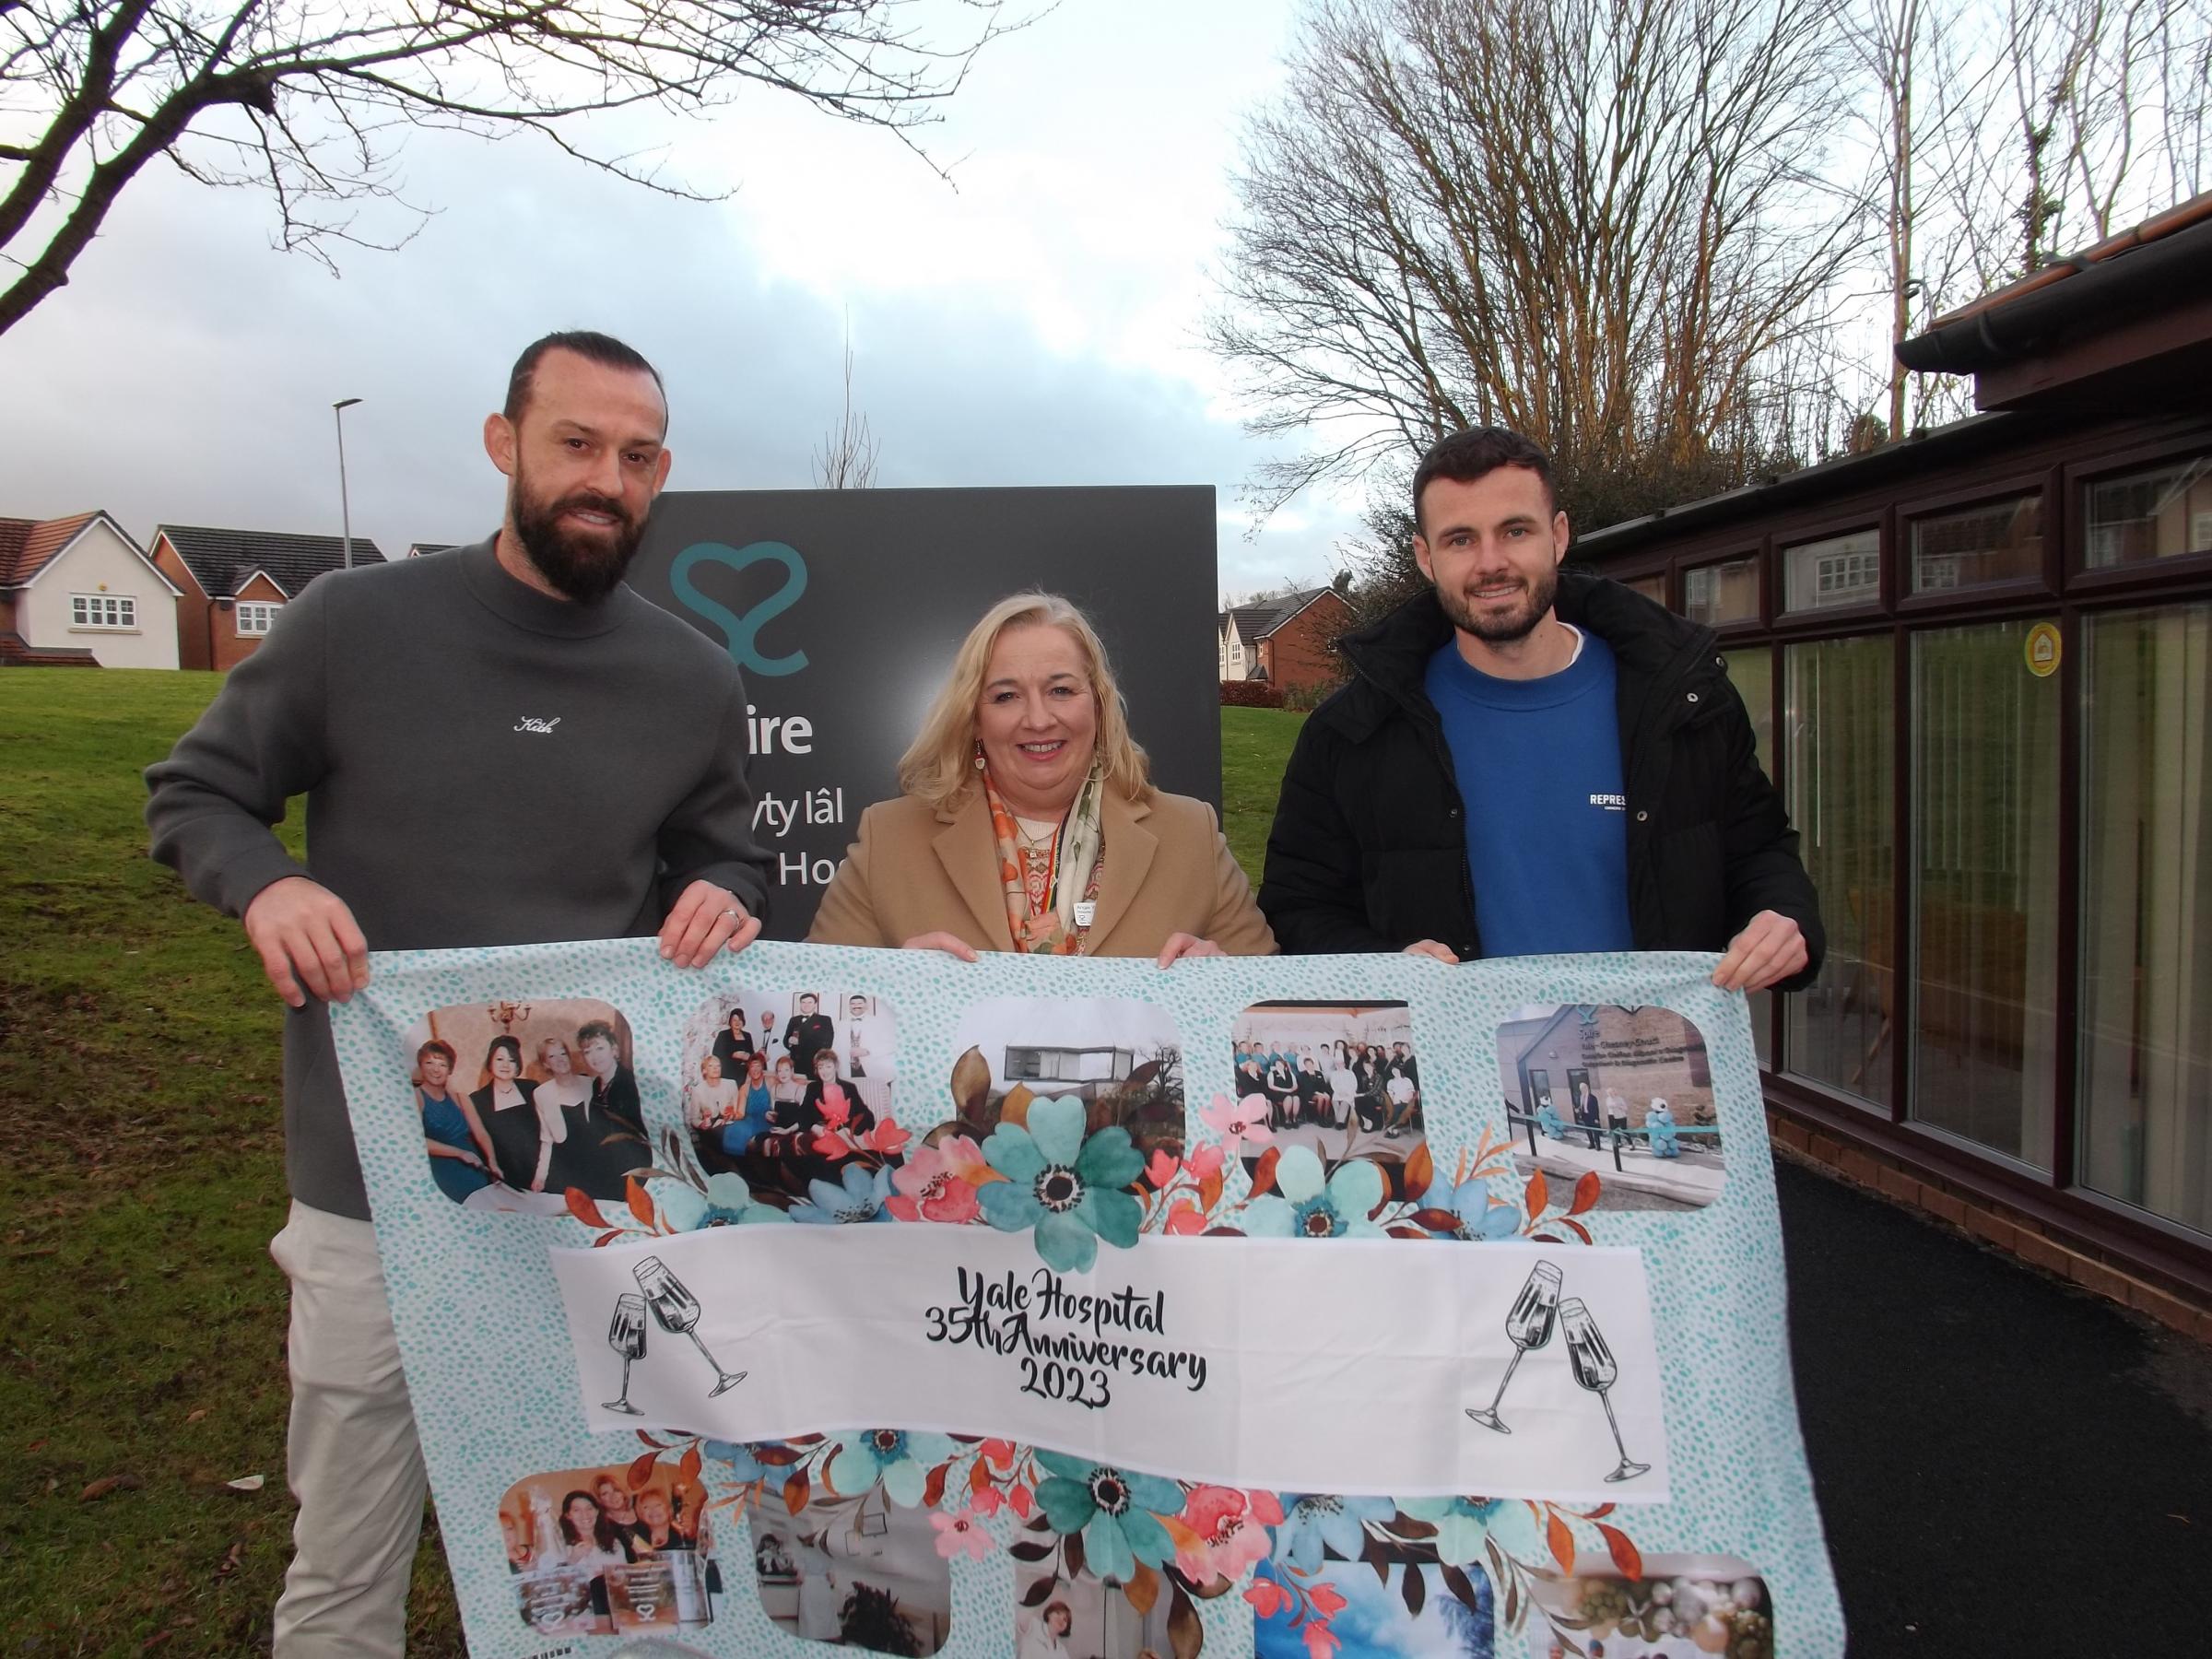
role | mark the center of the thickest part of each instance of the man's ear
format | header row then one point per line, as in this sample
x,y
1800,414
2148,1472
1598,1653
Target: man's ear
x,y
499,442
1560,535
1422,557
660,472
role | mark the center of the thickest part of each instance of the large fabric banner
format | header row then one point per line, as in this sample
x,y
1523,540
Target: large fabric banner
x,y
1297,1306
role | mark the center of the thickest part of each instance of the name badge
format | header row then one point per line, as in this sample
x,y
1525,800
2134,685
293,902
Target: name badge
x,y
1085,910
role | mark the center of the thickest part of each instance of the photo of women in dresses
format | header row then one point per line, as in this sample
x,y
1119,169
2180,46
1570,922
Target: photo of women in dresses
x,y
521,1102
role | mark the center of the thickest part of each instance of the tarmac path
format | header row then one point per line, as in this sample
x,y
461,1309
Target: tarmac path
x,y
2006,1465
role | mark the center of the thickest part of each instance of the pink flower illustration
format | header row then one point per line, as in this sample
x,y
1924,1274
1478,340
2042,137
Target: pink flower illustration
x,y
1320,1640
1268,1598
1160,1170
1205,1163
985,1501
930,1189
1229,1538
1186,1218
1238,1120
956,1533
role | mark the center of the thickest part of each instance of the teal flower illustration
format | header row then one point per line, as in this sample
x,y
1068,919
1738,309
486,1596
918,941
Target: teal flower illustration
x,y
1309,1207
857,1196
899,1460
1063,1184
1318,1521
727,1202
1480,1219
1462,1524
1117,1510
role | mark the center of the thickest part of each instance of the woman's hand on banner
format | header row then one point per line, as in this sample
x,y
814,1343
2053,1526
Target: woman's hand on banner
x,y
1183,945
705,919
309,942
950,944
1430,947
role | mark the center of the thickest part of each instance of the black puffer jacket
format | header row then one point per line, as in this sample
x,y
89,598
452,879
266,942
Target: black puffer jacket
x,y
1368,850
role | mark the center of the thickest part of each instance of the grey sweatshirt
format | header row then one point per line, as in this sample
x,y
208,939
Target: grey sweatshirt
x,y
483,765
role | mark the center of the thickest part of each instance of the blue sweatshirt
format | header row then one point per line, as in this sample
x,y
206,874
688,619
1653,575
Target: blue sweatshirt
x,y
1538,765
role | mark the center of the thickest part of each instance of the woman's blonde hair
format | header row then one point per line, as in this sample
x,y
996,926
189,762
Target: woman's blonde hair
x,y
939,765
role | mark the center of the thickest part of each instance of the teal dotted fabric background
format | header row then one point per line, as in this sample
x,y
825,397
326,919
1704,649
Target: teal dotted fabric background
x,y
494,1384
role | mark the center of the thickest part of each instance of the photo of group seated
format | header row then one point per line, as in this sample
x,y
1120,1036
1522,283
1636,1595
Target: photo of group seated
x,y
1057,1616
1121,1058
1684,1607
789,1086
522,1101
593,1554
1341,1079
861,1573
1626,1093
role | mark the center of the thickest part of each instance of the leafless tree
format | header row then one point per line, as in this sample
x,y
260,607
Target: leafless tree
x,y
309,99
848,455
1606,223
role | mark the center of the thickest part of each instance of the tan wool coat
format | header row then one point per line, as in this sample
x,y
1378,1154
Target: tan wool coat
x,y
917,870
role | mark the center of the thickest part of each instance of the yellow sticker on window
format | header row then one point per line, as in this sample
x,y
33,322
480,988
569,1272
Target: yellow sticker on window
x,y
2043,650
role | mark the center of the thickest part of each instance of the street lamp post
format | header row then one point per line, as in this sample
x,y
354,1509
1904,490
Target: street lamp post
x,y
344,509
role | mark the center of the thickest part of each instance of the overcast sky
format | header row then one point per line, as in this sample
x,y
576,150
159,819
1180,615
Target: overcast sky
x,y
1039,324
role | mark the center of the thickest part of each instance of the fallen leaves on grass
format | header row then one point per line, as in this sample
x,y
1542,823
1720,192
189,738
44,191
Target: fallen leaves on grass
x,y
247,1483
99,1488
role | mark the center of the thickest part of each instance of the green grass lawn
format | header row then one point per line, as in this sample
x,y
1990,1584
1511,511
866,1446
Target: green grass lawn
x,y
142,1362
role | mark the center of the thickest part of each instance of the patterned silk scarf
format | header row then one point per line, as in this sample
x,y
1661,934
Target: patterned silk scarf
x,y
1042,899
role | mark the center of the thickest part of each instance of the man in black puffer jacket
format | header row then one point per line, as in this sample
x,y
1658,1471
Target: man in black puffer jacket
x,y
1529,758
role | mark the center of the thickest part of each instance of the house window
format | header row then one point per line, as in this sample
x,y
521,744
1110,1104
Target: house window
x,y
1837,571
102,610
1727,592
1999,541
1653,587
2160,513
256,617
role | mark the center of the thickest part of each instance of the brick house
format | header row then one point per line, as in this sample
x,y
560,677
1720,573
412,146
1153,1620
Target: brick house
x,y
77,592
234,583
1285,641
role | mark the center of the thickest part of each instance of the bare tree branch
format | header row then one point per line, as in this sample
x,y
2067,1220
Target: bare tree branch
x,y
311,101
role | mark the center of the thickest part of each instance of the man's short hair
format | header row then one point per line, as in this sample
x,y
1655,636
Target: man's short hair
x,y
599,1029
1476,452
603,350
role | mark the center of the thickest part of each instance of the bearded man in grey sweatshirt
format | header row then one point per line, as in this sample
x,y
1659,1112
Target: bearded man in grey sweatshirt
x,y
498,745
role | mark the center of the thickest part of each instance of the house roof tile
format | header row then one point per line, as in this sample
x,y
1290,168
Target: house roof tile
x,y
222,561
26,544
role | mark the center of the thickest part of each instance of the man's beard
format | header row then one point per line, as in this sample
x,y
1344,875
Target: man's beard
x,y
1502,628
586,568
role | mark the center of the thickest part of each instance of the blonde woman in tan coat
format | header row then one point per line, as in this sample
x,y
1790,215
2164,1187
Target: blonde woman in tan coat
x,y
1030,821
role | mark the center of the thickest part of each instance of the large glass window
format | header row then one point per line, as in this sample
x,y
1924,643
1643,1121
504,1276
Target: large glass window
x,y
1727,592
1751,672
2145,1103
2160,513
1986,887
1837,570
1842,732
1997,541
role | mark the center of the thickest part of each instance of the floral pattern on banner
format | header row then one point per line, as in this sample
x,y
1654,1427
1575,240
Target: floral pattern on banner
x,y
1147,1535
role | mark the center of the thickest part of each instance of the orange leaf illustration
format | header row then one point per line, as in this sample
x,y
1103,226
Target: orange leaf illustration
x,y
584,1210
1143,1590
1421,1171
1561,1539
1538,1195
1625,1556
641,1471
689,1465
1263,1177
1585,1193
640,1205
796,1492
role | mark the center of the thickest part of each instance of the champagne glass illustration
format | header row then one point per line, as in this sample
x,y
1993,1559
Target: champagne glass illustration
x,y
677,1310
1594,1369
626,1335
1527,1325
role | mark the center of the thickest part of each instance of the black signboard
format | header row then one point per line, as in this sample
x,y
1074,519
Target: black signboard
x,y
844,607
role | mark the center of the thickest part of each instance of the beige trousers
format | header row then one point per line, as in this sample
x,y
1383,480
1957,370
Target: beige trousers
x,y
353,1461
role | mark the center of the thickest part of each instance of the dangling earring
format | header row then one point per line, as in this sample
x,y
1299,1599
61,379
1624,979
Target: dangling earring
x,y
978,754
